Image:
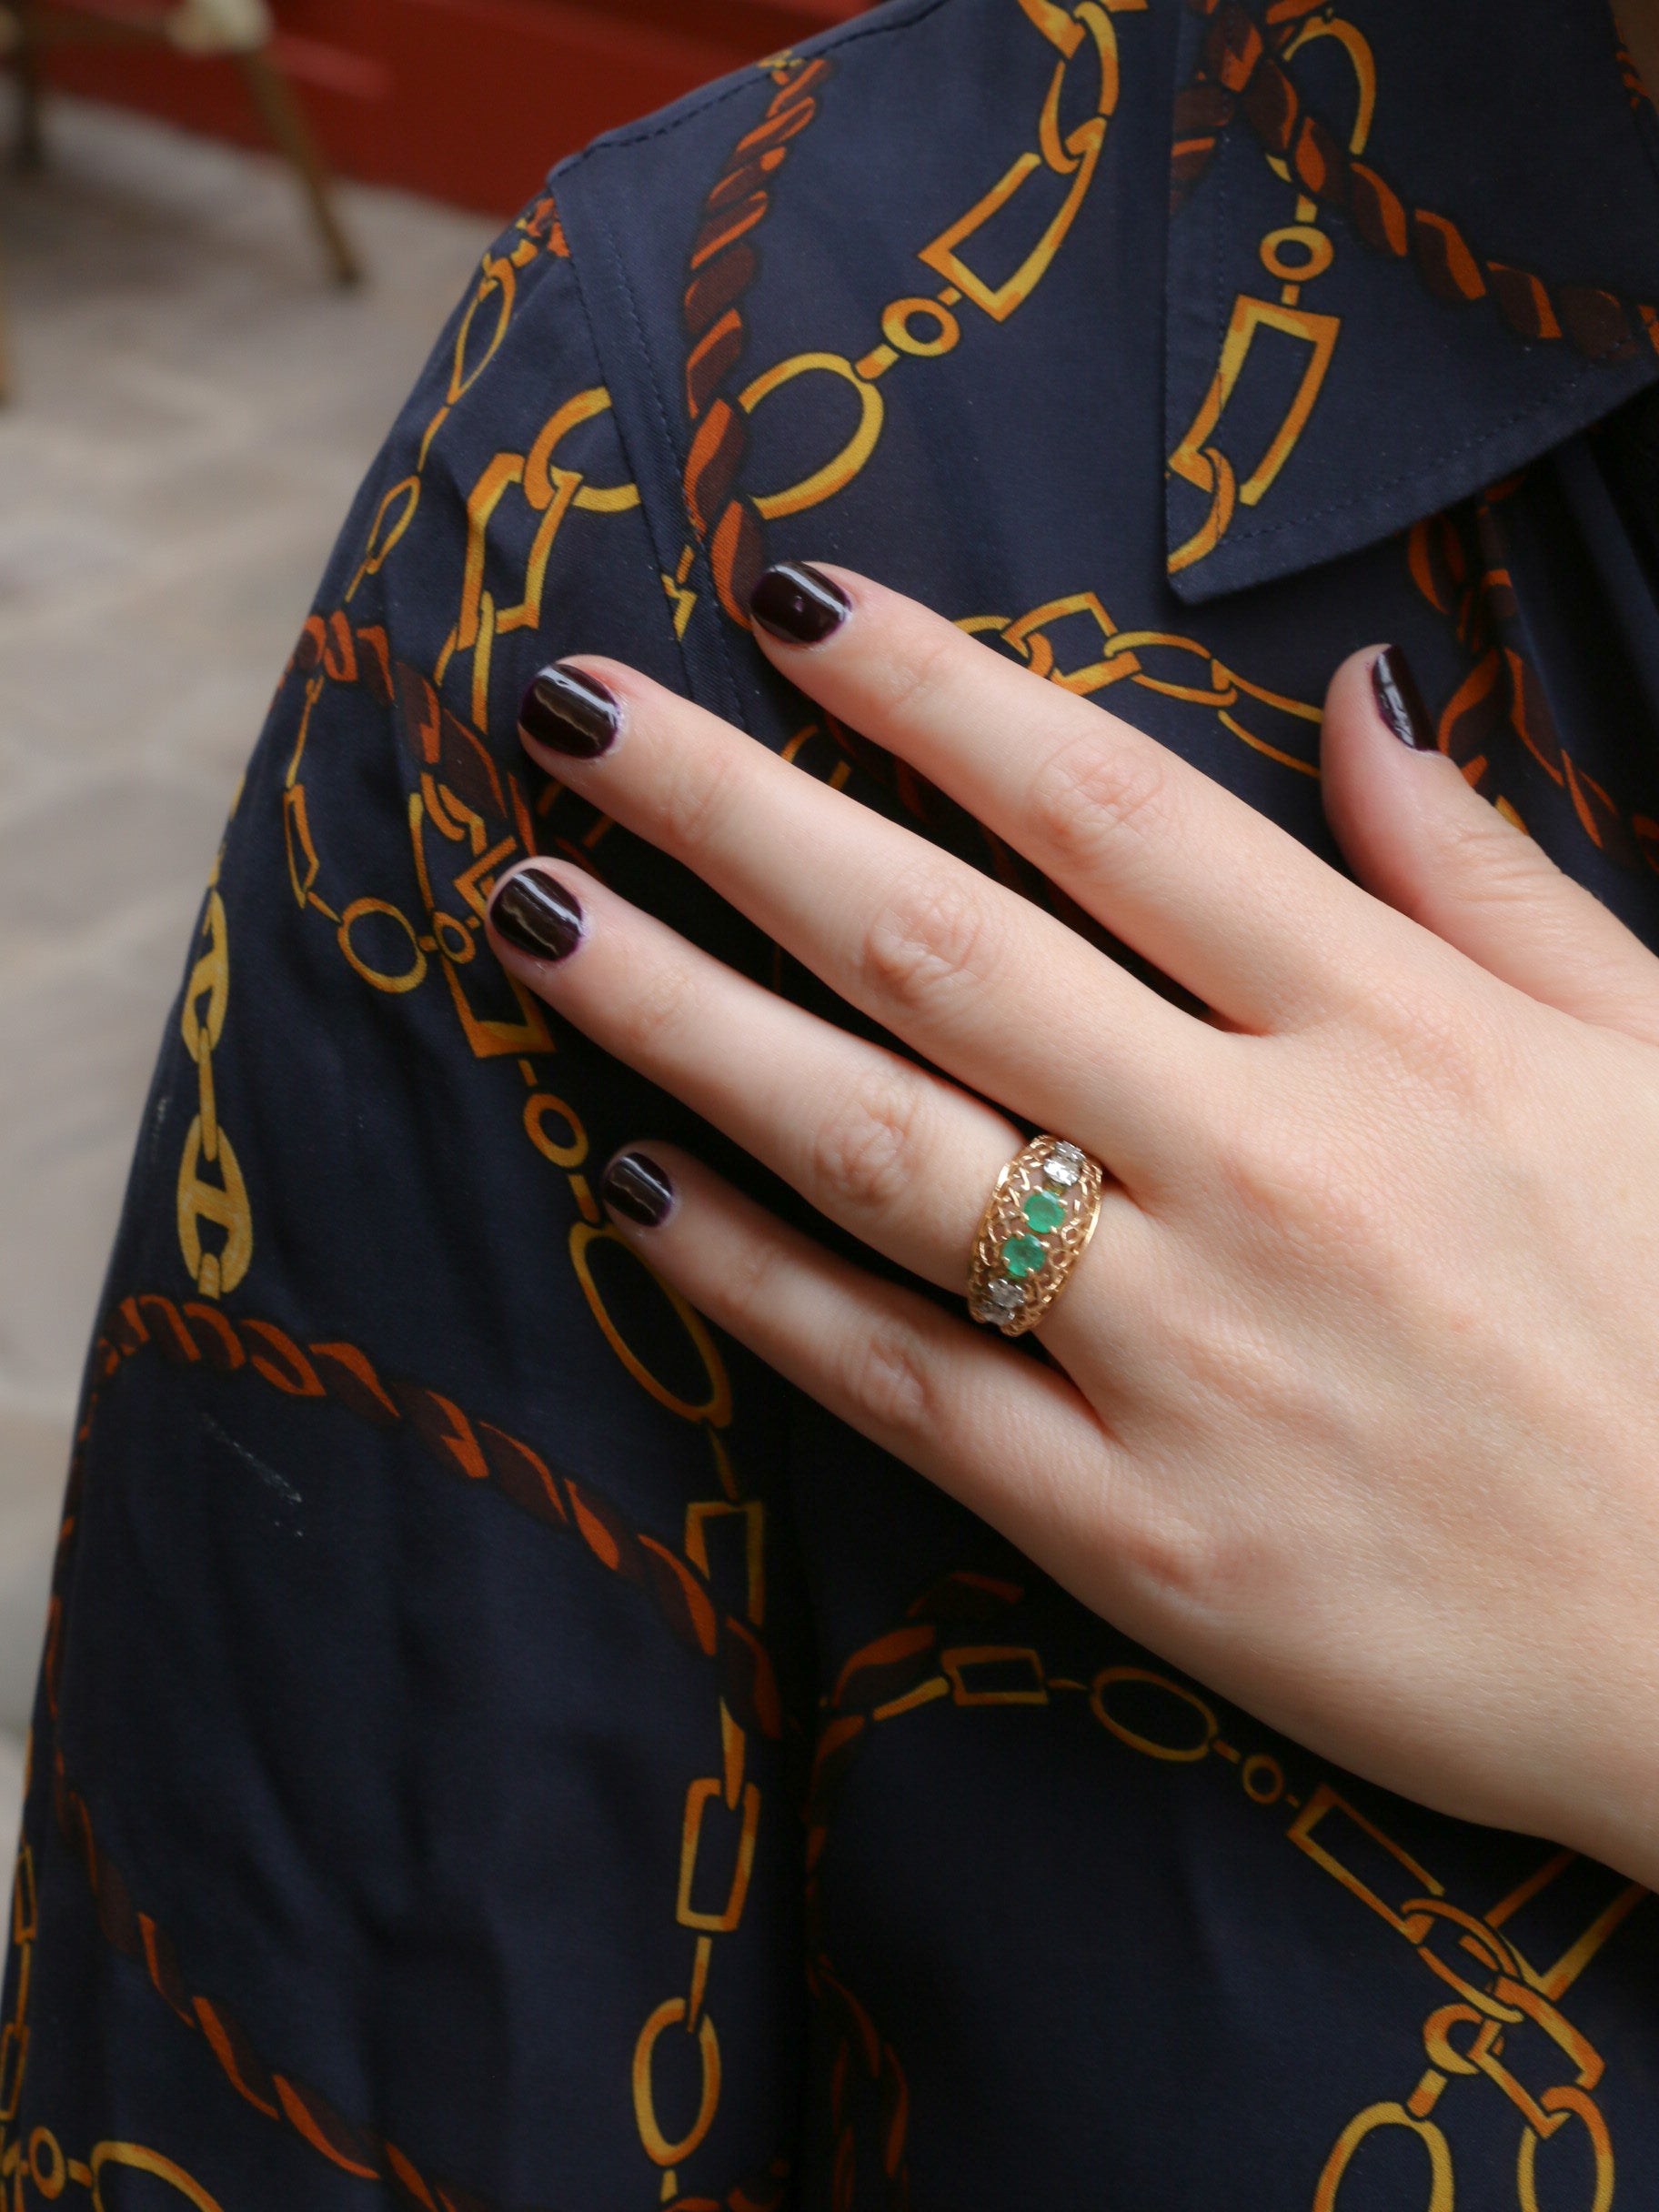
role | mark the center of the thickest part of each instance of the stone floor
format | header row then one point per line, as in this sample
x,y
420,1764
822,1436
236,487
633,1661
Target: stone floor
x,y
193,405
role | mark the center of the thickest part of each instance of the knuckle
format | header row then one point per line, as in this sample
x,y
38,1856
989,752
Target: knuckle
x,y
1441,1045
693,791
1296,1183
1171,1557
930,936
1097,791
747,1285
1489,862
1326,1207
660,1008
886,1381
863,1152
913,678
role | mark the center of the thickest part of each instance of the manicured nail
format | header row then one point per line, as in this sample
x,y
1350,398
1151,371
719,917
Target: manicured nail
x,y
537,915
1400,702
570,713
799,604
638,1190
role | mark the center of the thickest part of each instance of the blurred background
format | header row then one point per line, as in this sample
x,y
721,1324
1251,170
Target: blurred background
x,y
229,233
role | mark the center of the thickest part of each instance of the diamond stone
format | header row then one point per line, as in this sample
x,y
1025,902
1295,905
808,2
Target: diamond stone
x,y
1006,1296
1063,1165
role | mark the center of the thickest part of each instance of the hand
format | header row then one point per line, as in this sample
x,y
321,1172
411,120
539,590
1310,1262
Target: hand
x,y
1356,1409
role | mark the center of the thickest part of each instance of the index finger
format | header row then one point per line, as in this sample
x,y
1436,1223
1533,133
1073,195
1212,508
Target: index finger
x,y
1218,897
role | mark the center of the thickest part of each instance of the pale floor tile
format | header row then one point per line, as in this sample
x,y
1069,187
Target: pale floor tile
x,y
194,405
82,1026
11,1806
31,1453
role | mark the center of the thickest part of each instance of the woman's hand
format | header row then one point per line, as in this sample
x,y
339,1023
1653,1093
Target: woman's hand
x,y
1359,1415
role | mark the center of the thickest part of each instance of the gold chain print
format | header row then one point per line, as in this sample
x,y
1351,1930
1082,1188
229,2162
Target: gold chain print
x,y
1242,71
1506,1970
1161,661
220,1199
478,341
914,327
722,1817
720,1823
1296,255
550,492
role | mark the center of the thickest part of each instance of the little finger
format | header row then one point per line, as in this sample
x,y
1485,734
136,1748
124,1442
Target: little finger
x,y
1012,1438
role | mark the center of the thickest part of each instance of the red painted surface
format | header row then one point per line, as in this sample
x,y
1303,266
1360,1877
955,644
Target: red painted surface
x,y
467,100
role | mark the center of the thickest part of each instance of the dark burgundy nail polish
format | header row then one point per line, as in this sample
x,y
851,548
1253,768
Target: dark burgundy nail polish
x,y
570,713
1400,702
799,604
638,1190
537,915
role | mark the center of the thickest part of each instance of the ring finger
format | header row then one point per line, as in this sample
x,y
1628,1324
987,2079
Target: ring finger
x,y
900,1157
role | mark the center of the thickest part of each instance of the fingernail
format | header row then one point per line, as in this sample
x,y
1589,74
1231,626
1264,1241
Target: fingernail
x,y
638,1190
570,713
799,604
1400,702
537,915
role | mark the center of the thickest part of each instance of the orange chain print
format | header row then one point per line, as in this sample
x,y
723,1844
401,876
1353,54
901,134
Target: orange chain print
x,y
729,520
39,2157
1241,73
722,266
462,1445
1460,564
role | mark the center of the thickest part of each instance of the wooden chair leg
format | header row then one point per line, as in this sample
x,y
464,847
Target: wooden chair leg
x,y
285,120
30,154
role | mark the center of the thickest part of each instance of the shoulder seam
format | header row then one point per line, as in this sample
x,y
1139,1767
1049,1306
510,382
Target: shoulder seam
x,y
634,470
606,245
641,478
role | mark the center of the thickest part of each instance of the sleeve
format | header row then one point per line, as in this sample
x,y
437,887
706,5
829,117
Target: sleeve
x,y
411,1791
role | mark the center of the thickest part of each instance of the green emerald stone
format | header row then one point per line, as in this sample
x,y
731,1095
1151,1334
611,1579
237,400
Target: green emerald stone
x,y
1044,1210
1023,1256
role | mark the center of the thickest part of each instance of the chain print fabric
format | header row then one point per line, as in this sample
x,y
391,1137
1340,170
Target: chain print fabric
x,y
497,1747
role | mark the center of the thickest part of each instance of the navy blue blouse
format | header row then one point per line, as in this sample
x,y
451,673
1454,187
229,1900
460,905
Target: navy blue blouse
x,y
497,1746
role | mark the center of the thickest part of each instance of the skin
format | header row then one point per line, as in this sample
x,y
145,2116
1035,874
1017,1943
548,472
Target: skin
x,y
1354,1411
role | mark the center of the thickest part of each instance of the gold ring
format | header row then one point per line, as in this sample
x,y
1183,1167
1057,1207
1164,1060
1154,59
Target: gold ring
x,y
1040,1216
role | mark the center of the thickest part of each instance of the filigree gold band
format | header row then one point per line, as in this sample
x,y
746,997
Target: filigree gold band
x,y
1040,1216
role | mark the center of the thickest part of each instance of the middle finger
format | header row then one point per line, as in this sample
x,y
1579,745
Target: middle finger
x,y
986,985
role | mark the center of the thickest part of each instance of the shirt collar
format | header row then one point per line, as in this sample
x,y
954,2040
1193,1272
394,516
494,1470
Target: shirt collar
x,y
1411,246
